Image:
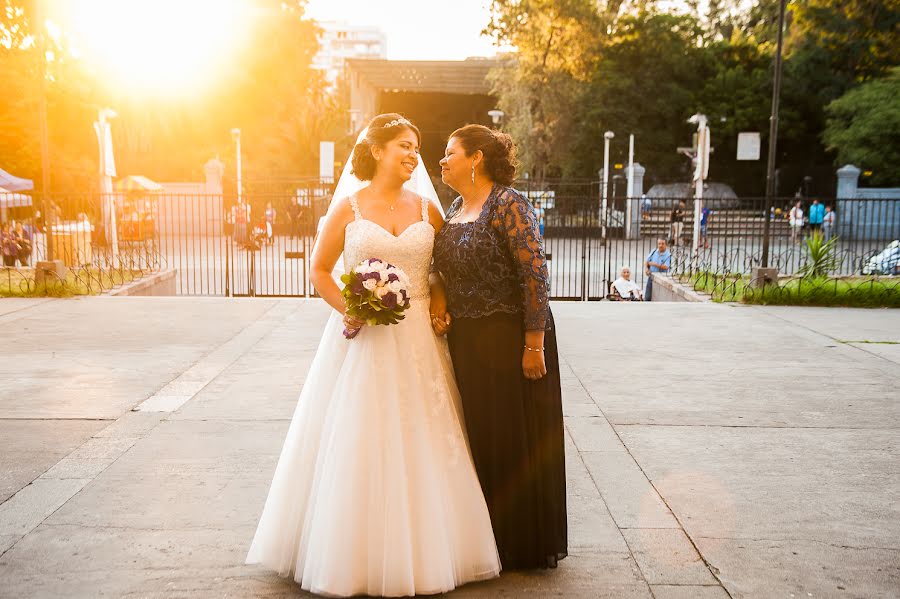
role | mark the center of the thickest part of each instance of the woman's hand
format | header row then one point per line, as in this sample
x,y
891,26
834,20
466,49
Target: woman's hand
x,y
353,324
440,318
437,309
533,366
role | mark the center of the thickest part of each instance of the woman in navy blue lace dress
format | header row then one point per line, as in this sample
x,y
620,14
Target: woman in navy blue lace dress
x,y
503,344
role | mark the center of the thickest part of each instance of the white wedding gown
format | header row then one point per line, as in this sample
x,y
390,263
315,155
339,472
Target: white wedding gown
x,y
375,491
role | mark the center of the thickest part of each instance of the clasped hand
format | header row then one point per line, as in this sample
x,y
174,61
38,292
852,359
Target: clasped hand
x,y
440,318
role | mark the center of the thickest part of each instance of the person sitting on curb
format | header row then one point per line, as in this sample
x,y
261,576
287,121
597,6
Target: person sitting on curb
x,y
659,260
624,289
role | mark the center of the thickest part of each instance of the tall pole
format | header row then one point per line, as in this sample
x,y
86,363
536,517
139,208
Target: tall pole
x,y
604,190
236,133
629,193
773,136
107,172
700,174
44,130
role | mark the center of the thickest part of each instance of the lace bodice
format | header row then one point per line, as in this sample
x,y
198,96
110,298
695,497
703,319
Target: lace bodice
x,y
497,262
410,250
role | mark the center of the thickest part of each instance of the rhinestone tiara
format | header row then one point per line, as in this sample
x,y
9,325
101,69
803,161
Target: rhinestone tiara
x,y
396,122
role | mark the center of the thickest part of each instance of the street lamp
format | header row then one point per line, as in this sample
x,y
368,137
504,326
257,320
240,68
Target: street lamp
x,y
700,172
107,171
773,135
604,189
496,116
236,135
355,113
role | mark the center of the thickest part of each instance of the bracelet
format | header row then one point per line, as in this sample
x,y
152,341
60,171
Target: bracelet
x,y
534,348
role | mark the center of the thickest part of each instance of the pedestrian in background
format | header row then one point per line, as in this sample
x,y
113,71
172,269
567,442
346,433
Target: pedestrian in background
x,y
8,245
270,223
795,219
293,212
676,223
704,224
816,217
828,222
539,213
659,260
646,206
23,243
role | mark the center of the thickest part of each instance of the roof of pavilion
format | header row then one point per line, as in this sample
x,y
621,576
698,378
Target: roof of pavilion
x,y
437,76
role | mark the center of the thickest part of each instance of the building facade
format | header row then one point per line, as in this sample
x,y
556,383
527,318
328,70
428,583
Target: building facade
x,y
342,41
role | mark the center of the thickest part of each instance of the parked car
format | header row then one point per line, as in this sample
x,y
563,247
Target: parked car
x,y
885,263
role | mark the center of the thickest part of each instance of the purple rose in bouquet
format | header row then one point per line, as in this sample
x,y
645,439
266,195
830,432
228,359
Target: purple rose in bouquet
x,y
375,292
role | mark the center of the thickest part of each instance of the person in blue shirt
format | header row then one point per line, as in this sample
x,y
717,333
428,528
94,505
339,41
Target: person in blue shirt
x,y
816,216
659,260
704,226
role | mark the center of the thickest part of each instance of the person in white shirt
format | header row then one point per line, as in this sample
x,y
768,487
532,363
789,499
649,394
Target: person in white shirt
x,y
627,289
828,222
796,221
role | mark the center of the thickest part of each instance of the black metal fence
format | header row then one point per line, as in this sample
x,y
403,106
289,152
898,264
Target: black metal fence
x,y
260,244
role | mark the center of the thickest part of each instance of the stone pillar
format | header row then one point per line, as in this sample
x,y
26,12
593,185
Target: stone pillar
x,y
848,209
633,209
214,171
638,186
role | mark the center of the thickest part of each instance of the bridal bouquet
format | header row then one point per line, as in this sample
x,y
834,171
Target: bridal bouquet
x,y
376,292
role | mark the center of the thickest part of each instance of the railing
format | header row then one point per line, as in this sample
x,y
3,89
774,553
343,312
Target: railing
x,y
219,247
589,241
67,230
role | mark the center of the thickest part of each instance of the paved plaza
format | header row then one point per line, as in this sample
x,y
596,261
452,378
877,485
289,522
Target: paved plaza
x,y
714,450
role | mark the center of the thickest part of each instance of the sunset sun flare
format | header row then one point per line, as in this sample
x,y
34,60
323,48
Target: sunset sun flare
x,y
158,47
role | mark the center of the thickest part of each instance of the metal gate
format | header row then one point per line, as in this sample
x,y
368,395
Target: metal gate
x,y
258,246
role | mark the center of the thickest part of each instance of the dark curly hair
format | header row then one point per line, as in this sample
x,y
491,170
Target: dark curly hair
x,y
364,164
499,151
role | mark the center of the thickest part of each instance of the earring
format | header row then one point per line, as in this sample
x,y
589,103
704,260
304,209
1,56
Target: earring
x,y
473,173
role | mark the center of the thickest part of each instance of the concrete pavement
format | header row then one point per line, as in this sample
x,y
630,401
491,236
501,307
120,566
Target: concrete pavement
x,y
713,450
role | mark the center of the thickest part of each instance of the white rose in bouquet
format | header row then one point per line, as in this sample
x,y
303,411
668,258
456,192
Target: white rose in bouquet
x,y
395,286
370,284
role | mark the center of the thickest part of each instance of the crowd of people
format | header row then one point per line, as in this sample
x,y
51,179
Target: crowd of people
x,y
246,231
16,242
820,220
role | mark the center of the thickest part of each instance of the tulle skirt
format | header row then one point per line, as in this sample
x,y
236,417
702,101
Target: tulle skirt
x,y
375,491
515,429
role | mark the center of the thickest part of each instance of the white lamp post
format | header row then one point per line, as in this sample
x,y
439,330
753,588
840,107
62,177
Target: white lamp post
x,y
236,135
496,116
604,189
629,194
107,172
700,172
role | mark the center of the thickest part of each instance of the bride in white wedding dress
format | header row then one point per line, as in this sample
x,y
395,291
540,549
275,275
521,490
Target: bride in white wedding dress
x,y
375,491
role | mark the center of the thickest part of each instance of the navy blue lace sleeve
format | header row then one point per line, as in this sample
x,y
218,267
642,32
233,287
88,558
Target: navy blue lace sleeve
x,y
516,219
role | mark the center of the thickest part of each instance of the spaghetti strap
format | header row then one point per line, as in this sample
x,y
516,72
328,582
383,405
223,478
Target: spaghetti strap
x,y
425,209
356,213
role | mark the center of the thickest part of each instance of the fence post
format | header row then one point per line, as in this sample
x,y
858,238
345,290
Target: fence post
x,y
847,209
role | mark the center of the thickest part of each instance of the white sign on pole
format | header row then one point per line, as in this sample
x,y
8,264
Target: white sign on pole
x,y
326,160
748,146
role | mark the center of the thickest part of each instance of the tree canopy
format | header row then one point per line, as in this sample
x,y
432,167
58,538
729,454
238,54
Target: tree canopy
x,y
629,67
864,128
281,105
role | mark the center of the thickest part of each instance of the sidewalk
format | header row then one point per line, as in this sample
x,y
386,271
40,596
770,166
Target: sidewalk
x,y
713,451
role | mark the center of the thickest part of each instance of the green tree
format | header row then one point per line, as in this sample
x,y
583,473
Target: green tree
x,y
645,84
281,104
556,50
68,98
864,128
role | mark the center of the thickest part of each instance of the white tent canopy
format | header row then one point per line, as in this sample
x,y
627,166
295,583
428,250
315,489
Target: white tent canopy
x,y
9,199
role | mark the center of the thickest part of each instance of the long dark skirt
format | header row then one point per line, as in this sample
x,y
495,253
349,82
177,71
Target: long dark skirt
x,y
515,429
